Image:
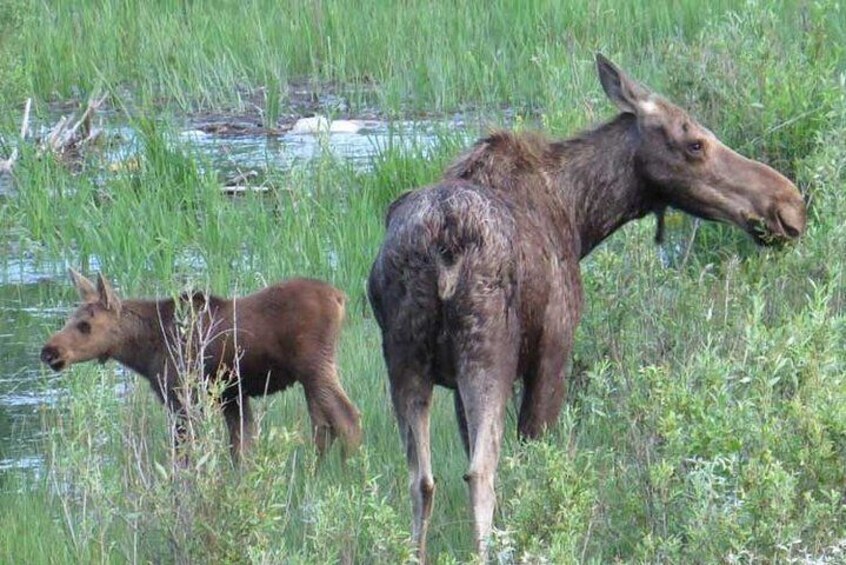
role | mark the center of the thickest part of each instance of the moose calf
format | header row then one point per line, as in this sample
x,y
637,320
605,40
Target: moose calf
x,y
260,344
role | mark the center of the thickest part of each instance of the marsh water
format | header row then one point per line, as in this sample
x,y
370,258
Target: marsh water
x,y
28,389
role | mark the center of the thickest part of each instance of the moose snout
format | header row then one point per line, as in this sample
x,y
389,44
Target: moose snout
x,y
52,357
771,207
790,218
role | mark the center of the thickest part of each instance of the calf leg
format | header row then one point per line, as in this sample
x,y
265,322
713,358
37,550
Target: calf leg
x,y
178,420
343,417
239,421
321,430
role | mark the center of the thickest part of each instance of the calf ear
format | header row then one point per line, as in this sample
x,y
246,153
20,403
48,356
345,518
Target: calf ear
x,y
107,296
87,290
627,94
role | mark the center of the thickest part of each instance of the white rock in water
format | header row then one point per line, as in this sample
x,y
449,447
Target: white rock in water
x,y
345,126
320,124
314,124
193,135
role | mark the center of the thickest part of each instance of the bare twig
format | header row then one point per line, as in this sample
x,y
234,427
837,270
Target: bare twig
x,y
690,243
84,122
25,121
786,123
65,138
51,143
236,189
7,164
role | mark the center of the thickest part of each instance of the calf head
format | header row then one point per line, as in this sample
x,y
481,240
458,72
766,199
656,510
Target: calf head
x,y
687,167
91,332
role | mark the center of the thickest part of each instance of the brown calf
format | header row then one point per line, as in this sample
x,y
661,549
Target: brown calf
x,y
477,282
261,343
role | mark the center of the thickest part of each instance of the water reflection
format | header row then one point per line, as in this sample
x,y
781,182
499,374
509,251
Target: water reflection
x,y
242,152
26,390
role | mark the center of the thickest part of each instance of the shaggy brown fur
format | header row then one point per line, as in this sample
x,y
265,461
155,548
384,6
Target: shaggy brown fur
x,y
477,283
261,343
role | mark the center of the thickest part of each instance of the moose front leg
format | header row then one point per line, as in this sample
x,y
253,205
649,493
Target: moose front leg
x,y
544,385
239,421
178,424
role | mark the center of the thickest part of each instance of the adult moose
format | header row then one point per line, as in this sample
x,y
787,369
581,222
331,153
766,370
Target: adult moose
x,y
477,282
260,343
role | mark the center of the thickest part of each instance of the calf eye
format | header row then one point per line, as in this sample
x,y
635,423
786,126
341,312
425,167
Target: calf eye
x,y
84,327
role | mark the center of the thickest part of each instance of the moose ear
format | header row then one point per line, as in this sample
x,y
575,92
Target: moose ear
x,y
628,95
107,296
87,290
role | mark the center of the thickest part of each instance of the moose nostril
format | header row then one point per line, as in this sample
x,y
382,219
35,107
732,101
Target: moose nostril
x,y
48,354
791,222
790,230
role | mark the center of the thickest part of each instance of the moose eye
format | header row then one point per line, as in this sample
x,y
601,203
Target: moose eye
x,y
84,327
695,148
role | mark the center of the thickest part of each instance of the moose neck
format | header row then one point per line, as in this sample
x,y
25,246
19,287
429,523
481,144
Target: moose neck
x,y
598,179
143,327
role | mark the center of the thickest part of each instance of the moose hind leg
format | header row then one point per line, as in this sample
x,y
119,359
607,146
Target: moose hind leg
x,y
543,396
486,374
461,418
411,393
485,416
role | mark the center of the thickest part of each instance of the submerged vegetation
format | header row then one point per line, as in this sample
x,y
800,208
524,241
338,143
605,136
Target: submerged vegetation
x,y
707,418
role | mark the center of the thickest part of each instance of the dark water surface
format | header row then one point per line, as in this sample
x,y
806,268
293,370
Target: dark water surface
x,y
27,390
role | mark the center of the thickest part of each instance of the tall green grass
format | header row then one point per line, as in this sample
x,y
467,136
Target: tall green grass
x,y
706,420
165,217
417,56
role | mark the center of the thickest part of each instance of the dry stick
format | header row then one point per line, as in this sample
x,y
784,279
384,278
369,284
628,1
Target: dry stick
x,y
85,120
25,121
51,142
62,137
7,164
690,243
